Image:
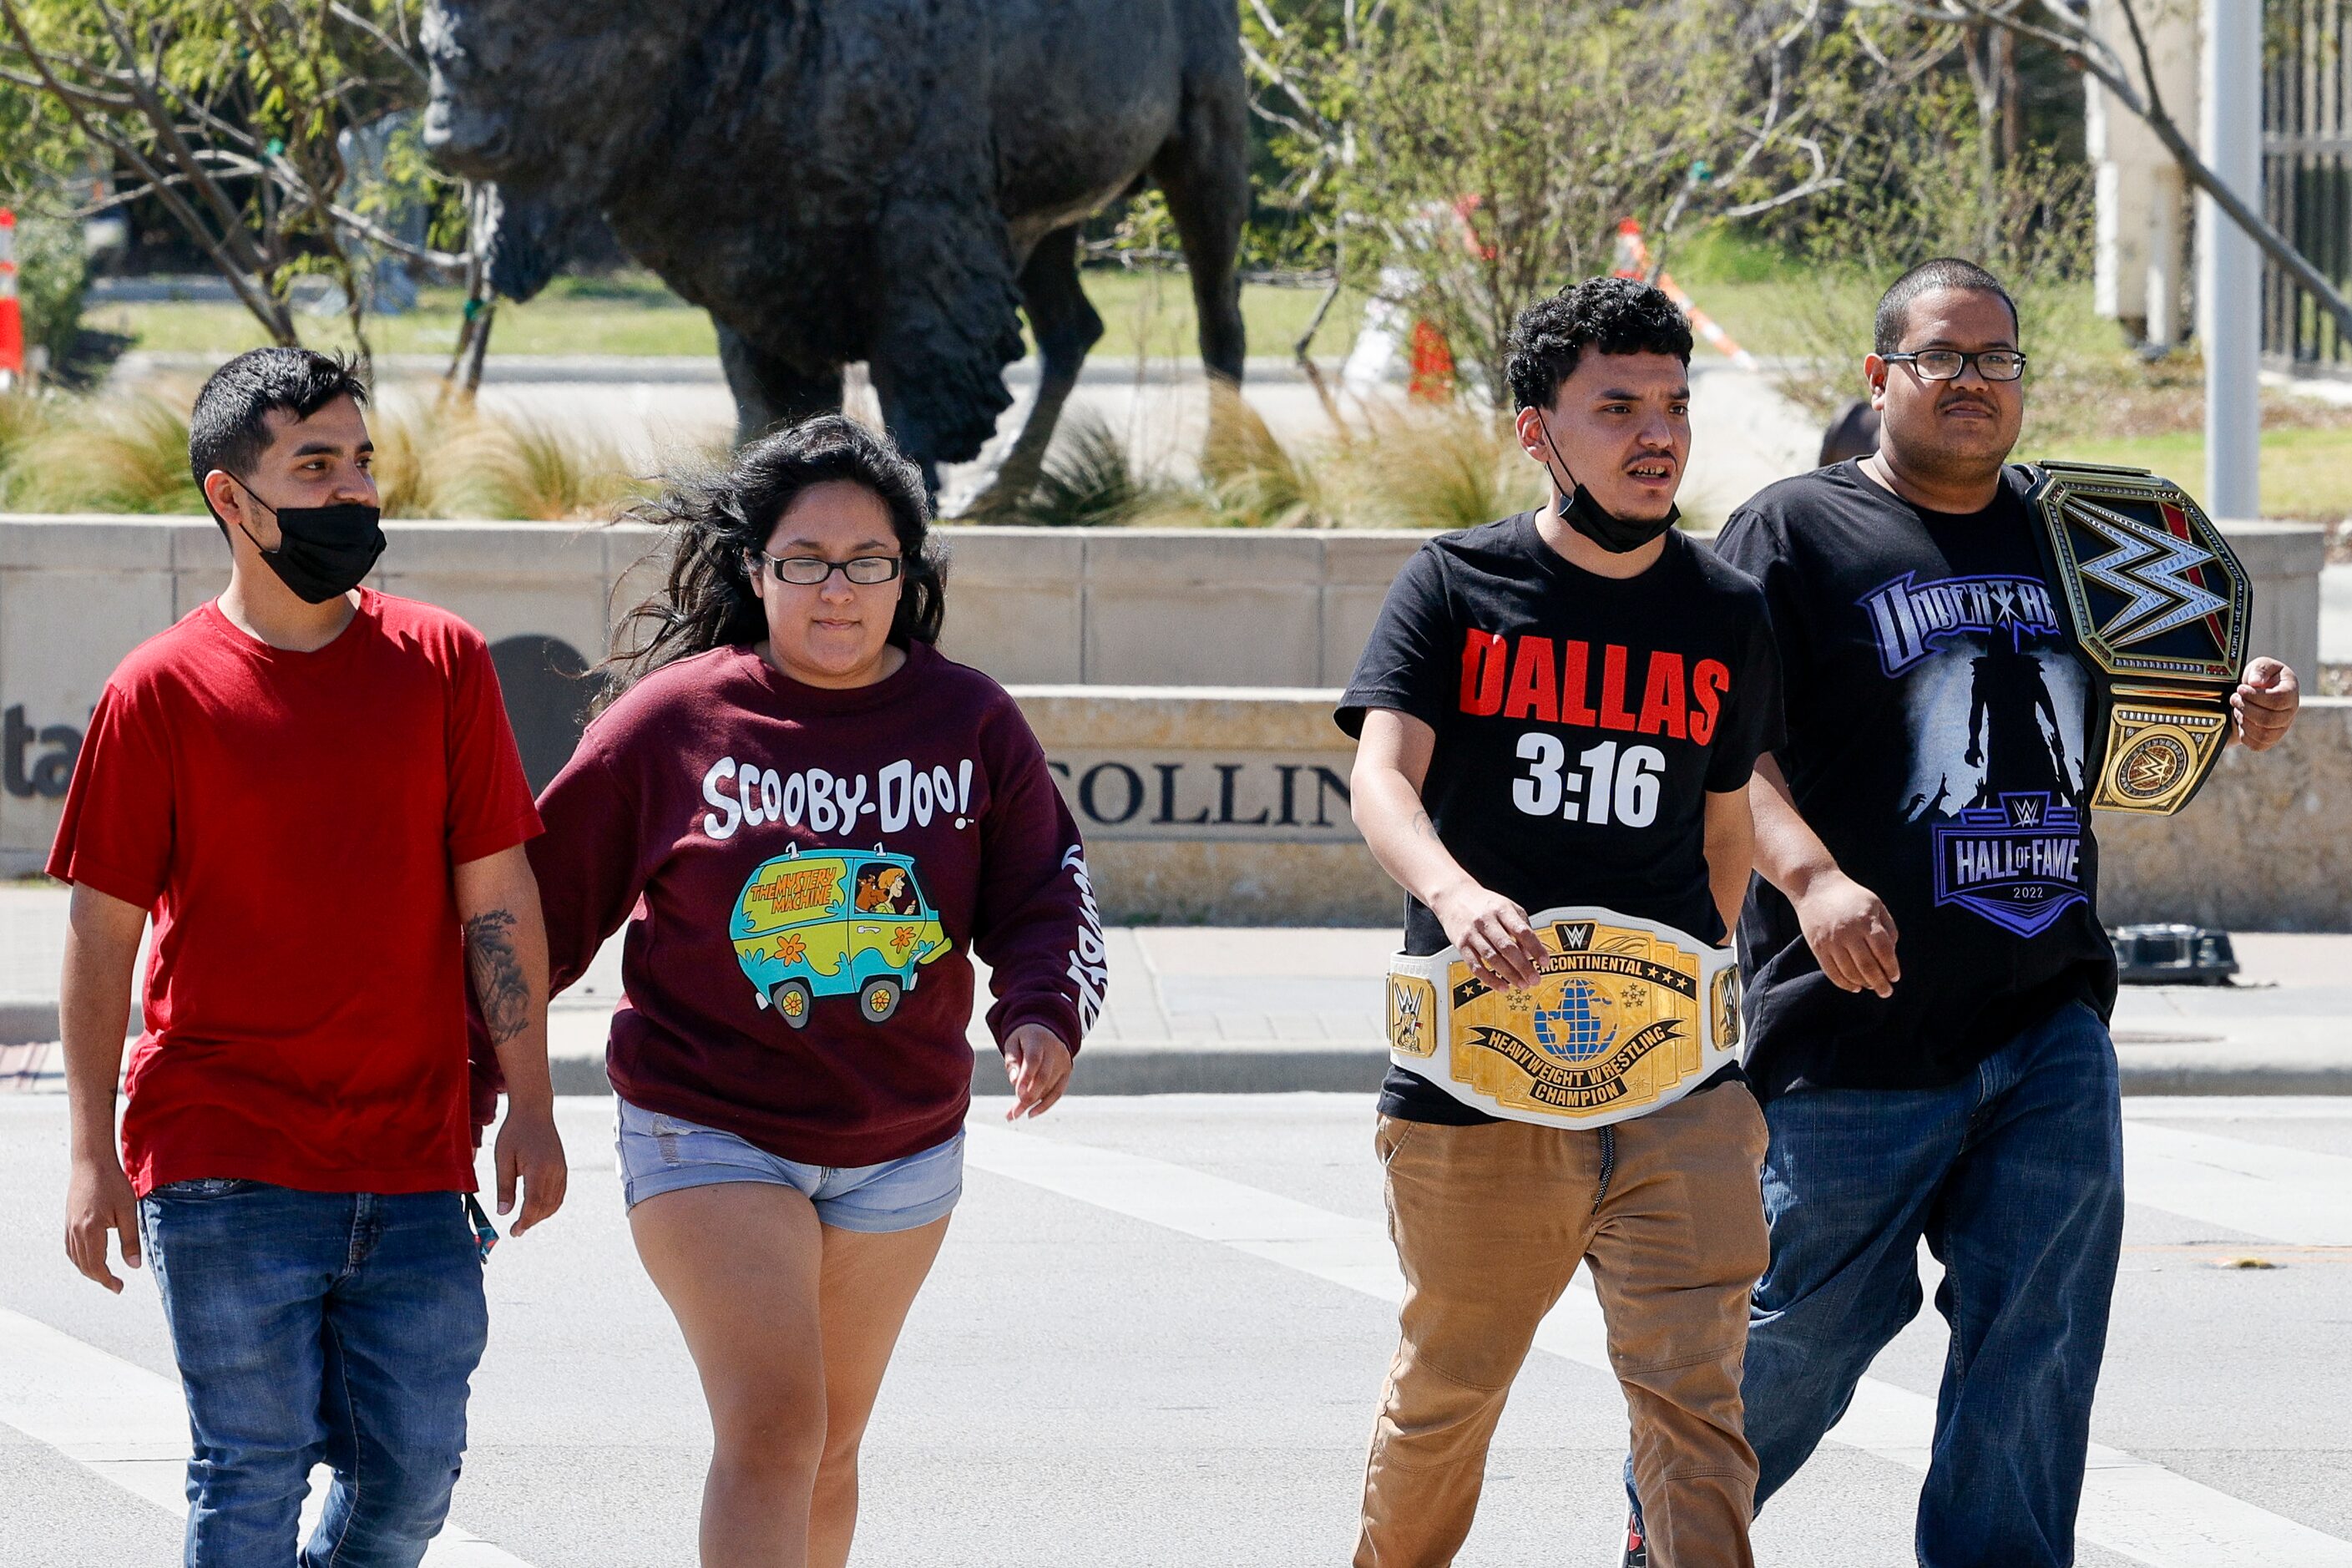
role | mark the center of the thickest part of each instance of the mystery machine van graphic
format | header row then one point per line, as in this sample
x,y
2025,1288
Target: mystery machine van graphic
x,y
834,922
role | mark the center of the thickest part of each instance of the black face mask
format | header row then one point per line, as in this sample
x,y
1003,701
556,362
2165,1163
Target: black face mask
x,y
323,552
1617,535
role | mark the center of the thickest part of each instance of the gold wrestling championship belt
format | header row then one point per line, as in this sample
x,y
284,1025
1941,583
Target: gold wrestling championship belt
x,y
1626,1016
2159,606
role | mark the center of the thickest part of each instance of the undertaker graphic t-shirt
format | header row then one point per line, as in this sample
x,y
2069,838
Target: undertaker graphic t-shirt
x,y
1938,724
1580,722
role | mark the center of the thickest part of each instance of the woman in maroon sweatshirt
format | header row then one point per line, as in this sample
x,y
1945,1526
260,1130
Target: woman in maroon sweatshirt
x,y
809,820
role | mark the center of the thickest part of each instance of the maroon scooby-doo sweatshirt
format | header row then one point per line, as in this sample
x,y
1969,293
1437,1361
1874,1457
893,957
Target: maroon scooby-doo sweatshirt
x,y
805,874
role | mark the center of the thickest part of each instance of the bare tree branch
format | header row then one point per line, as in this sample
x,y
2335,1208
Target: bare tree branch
x,y
2087,52
397,48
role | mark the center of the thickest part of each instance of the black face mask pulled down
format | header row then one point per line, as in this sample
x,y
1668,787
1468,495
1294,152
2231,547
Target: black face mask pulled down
x,y
1617,535
323,552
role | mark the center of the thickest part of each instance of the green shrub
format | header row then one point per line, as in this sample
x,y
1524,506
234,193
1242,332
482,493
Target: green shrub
x,y
1089,481
52,279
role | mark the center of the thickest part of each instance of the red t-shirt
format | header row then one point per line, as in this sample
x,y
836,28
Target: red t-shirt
x,y
292,820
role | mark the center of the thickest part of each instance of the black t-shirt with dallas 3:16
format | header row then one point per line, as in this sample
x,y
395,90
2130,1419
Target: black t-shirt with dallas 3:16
x,y
1581,721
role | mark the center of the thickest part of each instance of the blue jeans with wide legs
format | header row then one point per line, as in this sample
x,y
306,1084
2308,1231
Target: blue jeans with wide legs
x,y
2014,1177
341,1328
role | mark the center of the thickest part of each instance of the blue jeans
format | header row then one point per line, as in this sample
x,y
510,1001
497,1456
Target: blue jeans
x,y
2015,1177
318,1327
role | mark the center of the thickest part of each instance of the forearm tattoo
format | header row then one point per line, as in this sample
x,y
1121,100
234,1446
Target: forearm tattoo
x,y
499,983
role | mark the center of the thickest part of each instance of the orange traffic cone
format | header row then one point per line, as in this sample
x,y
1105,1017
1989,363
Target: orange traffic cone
x,y
1432,364
12,314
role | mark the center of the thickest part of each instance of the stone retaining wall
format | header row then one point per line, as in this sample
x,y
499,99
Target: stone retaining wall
x,y
1239,817
1179,679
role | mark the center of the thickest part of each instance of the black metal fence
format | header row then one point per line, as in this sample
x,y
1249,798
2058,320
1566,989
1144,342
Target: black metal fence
x,y
2307,173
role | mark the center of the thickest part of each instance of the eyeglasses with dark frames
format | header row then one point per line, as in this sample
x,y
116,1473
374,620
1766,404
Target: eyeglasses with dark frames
x,y
1950,365
808,571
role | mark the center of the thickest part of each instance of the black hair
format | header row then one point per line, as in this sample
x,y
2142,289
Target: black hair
x,y
1887,327
1614,315
713,523
229,426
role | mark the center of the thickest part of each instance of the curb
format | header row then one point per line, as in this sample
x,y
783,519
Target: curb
x,y
27,1021
1285,1066
1180,1068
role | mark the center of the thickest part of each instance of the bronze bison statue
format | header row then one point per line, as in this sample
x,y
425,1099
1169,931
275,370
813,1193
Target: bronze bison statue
x,y
887,180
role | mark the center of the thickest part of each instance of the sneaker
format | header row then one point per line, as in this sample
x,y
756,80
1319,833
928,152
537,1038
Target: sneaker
x,y
1637,1550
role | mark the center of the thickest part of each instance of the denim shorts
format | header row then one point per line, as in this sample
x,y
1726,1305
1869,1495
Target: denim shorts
x,y
665,1153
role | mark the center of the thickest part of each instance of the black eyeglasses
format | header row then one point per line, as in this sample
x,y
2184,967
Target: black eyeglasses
x,y
1949,364
808,571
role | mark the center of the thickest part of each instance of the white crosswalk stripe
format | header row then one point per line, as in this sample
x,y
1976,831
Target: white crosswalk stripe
x,y
2129,1506
128,1425
2262,1189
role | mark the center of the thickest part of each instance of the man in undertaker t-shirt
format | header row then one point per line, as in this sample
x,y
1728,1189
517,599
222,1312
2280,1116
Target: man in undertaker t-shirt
x,y
1928,981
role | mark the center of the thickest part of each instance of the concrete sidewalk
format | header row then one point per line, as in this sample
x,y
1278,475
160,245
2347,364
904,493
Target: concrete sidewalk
x,y
1241,1010
1256,1010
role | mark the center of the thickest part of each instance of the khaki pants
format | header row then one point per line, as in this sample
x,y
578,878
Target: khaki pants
x,y
1489,1223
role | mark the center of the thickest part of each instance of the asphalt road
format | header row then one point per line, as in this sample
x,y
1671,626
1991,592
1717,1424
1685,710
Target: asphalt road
x,y
1156,1336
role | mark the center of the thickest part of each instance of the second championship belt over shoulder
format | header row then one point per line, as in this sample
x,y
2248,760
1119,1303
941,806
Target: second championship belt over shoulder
x,y
2159,608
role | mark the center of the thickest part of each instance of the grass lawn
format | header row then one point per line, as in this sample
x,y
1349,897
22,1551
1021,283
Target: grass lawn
x,y
2307,475
634,314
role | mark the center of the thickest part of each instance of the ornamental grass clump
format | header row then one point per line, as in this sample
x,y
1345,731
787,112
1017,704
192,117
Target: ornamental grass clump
x,y
1446,466
128,452
453,461
1248,478
124,453
1089,481
1386,465
22,416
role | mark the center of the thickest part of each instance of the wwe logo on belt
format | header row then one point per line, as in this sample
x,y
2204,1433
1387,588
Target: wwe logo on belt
x,y
2152,569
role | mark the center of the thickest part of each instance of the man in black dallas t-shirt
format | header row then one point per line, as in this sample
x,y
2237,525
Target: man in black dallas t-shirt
x,y
1563,708
1928,982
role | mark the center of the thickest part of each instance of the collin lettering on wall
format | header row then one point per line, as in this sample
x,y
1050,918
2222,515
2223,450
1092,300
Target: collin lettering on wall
x,y
1265,797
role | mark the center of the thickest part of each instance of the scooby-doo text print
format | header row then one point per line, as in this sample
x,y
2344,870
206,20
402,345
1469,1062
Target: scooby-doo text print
x,y
746,795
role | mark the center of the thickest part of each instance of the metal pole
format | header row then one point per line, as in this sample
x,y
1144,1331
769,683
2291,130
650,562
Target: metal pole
x,y
2229,267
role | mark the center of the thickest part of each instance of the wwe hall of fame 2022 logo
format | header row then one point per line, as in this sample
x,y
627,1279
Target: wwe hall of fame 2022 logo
x,y
2004,804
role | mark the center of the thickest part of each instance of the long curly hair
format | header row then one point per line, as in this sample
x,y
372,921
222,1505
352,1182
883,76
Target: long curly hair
x,y
710,523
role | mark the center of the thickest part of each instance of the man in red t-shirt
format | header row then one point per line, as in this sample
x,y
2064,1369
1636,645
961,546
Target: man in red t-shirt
x,y
312,789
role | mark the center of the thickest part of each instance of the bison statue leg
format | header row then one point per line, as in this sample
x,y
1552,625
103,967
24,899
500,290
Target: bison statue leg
x,y
767,392
1065,326
1204,172
951,321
